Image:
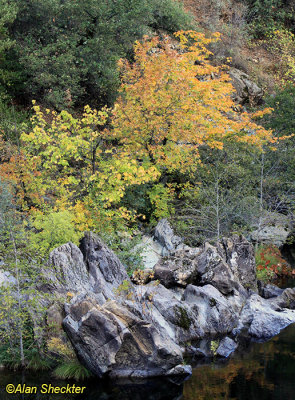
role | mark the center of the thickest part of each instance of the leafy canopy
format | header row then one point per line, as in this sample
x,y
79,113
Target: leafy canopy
x,y
66,51
173,101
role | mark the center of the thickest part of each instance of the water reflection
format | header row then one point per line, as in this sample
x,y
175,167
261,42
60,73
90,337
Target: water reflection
x,y
264,371
261,371
152,389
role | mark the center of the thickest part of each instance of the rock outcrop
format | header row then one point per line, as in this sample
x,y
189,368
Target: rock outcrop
x,y
122,329
227,267
274,229
164,234
111,339
246,90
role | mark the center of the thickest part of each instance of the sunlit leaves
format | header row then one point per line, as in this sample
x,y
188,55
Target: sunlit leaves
x,y
173,101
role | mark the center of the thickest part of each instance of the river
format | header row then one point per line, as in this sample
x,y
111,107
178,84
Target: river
x,y
259,371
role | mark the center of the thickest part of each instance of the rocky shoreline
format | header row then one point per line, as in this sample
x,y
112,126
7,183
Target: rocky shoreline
x,y
198,301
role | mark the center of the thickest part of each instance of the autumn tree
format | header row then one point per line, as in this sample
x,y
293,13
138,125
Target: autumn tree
x,y
173,102
68,163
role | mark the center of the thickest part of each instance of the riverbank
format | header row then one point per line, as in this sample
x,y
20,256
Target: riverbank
x,y
257,371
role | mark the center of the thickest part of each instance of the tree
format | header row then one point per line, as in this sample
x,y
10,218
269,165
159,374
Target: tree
x,y
174,102
68,163
68,50
7,17
222,197
20,304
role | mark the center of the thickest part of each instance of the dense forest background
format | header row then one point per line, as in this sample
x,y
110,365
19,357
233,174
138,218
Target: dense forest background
x,y
99,133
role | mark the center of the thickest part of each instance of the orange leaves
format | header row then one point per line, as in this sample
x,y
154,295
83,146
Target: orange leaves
x,y
172,101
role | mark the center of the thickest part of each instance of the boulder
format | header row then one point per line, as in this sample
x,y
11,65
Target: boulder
x,y
240,256
171,315
164,235
66,270
213,269
91,268
111,339
269,291
228,266
150,250
226,347
246,90
121,329
213,312
286,299
105,270
262,318
274,229
179,269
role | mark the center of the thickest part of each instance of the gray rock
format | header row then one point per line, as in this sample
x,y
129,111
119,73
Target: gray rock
x,y
105,269
214,270
263,319
213,312
229,266
226,347
286,299
111,339
171,315
269,291
246,90
139,330
240,256
67,270
179,269
151,251
164,234
274,229
6,278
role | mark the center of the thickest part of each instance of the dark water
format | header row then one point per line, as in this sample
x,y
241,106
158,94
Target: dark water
x,y
259,372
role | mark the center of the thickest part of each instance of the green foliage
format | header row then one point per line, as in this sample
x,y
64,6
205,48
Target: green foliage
x,y
7,16
214,344
265,16
161,199
68,50
12,121
280,181
52,230
170,16
282,118
72,370
123,289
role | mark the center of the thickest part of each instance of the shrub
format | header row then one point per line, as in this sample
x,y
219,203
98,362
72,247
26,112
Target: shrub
x,y
53,230
270,263
265,16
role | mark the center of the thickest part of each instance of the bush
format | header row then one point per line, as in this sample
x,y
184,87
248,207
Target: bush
x,y
265,16
270,263
11,121
282,118
53,230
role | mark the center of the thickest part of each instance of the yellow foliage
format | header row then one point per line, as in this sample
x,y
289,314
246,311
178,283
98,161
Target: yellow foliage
x,y
172,101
